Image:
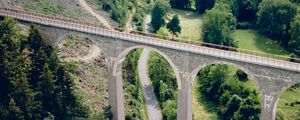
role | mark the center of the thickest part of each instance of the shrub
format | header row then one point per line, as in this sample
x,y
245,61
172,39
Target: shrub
x,y
108,113
233,99
169,110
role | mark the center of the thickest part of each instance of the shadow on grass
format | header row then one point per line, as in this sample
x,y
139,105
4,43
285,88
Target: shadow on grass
x,y
209,108
268,46
187,14
208,105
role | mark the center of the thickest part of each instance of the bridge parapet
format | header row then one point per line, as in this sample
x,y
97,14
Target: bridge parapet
x,y
246,56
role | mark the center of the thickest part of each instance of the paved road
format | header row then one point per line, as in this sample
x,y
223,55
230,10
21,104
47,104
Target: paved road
x,y
153,109
91,11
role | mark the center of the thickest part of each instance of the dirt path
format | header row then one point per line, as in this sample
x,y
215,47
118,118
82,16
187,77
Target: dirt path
x,y
91,11
93,53
153,109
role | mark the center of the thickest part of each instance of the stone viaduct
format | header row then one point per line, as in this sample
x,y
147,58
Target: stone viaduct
x,y
272,76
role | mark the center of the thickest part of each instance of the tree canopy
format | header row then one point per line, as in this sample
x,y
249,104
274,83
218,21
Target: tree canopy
x,y
174,25
158,13
274,18
234,100
202,5
34,84
181,4
294,43
219,26
247,10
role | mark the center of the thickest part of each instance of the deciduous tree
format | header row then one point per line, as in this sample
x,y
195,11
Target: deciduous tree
x,y
219,26
174,25
294,43
202,5
274,18
158,13
181,4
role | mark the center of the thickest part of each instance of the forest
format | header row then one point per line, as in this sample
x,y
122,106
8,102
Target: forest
x,y
34,83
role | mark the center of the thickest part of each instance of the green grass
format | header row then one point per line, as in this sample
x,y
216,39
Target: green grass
x,y
284,108
251,40
190,22
202,108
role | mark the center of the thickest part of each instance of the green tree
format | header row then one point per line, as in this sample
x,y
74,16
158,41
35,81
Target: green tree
x,y
158,13
174,25
164,84
23,95
69,106
8,33
120,14
181,4
35,40
274,18
233,5
211,79
202,5
8,27
15,112
232,106
295,1
169,110
294,43
247,10
249,110
133,100
19,99
30,88
234,100
219,26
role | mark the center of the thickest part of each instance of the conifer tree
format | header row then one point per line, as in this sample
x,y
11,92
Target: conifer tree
x,y
33,83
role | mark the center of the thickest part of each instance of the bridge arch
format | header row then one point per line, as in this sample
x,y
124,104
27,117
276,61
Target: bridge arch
x,y
117,73
195,72
123,54
63,37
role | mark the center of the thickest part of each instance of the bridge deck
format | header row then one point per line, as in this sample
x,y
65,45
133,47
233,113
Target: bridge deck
x,y
267,60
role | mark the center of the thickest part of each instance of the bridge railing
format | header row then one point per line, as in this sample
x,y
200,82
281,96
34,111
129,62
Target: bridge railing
x,y
151,39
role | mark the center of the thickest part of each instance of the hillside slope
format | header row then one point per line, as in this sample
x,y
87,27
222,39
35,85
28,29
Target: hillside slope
x,y
91,74
62,8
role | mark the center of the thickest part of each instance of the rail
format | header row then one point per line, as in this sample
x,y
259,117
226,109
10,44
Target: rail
x,y
150,39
